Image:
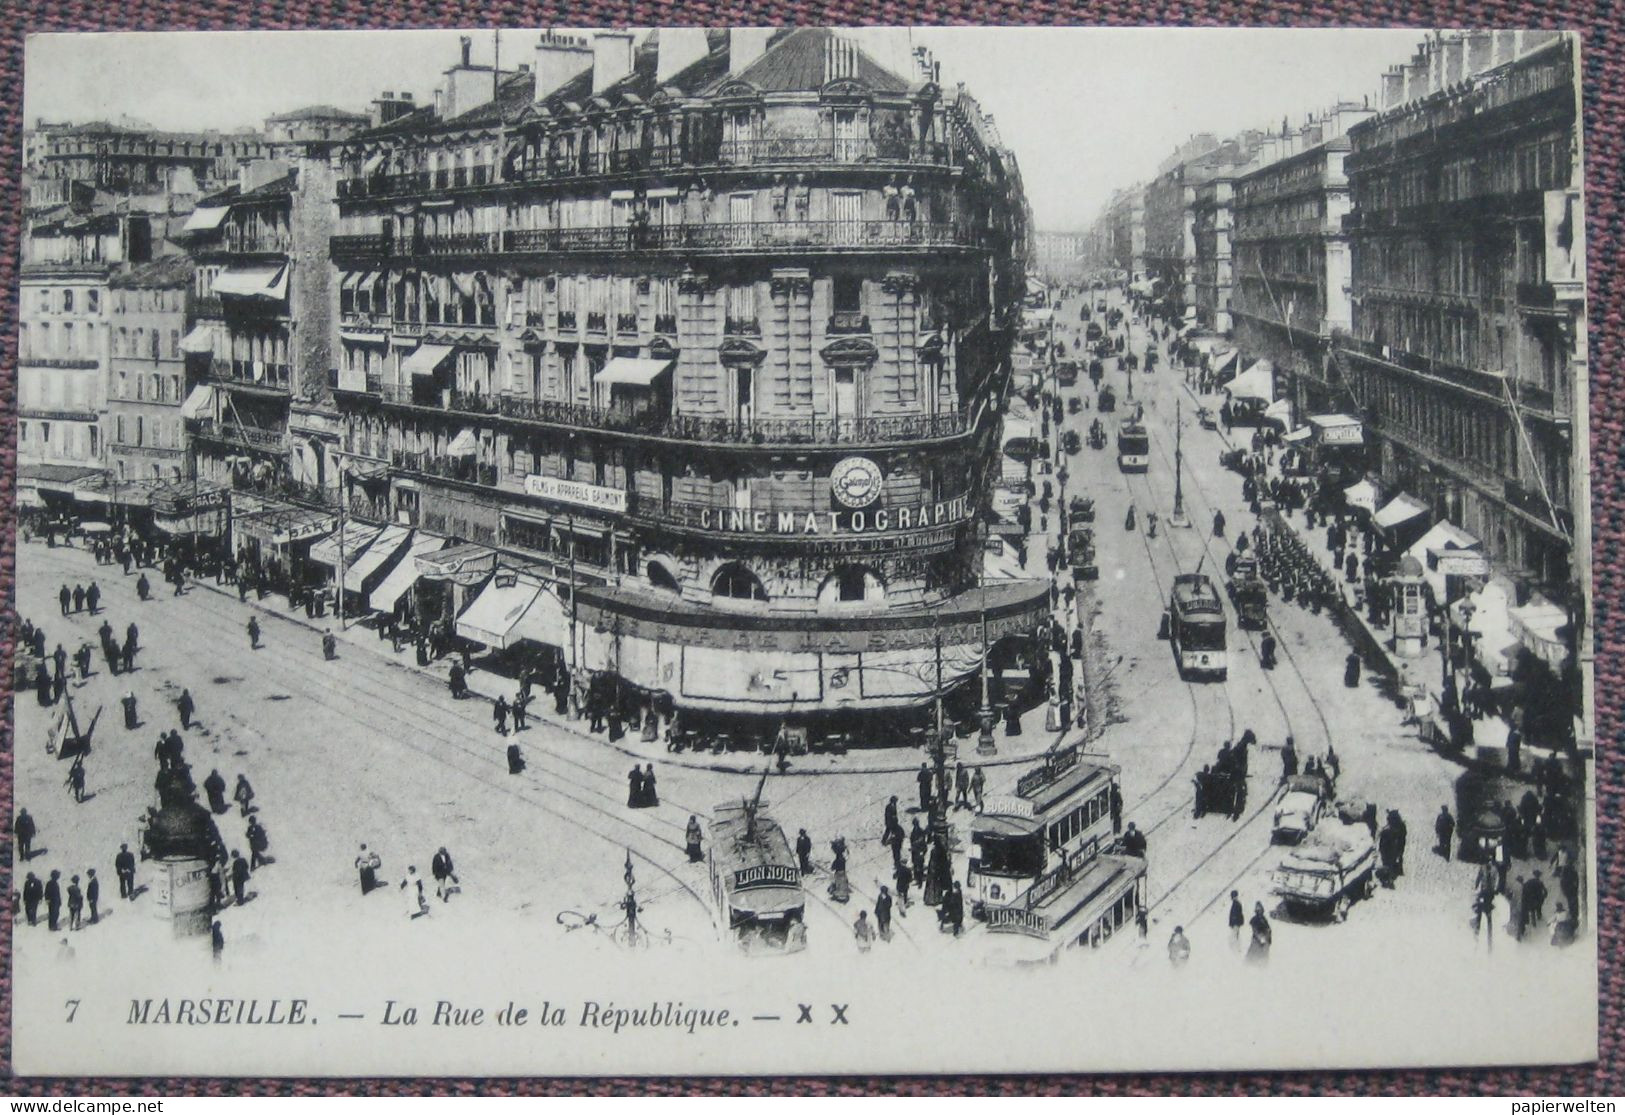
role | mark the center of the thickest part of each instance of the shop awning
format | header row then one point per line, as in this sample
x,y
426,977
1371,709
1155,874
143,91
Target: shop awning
x,y
1224,359
496,612
200,403
353,538
206,218
1300,434
1490,623
632,371
1540,626
1257,382
544,622
426,359
1190,313
365,563
1442,538
466,564
284,525
403,576
465,444
1402,508
200,341
55,478
373,163
268,281
1281,411
1363,495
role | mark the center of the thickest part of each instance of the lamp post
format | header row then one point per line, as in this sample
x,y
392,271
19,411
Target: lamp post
x,y
984,737
1178,518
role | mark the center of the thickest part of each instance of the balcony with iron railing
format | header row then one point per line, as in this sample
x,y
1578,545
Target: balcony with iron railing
x,y
1474,379
231,433
809,432
741,327
666,323
846,322
626,324
773,236
256,374
762,152
263,245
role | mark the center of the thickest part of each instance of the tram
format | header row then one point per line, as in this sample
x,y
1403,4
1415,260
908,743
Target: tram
x,y
1039,877
1133,448
755,879
1196,627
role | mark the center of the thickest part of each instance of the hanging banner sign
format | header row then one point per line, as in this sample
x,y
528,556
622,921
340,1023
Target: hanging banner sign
x,y
595,496
826,523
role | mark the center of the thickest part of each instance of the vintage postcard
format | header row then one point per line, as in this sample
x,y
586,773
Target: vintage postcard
x,y
821,550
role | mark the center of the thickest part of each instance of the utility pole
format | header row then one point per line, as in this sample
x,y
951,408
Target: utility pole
x,y
1178,518
629,904
984,738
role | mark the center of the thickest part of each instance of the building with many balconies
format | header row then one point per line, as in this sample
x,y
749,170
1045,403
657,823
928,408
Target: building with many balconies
x,y
1212,224
146,387
1467,349
709,335
1290,273
261,345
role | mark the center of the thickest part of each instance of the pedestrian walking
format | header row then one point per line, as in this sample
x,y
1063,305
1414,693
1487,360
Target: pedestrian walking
x,y
53,900
1258,951
516,759
78,598
23,831
961,787
840,889
76,780
239,876
904,879
1534,901
217,940
1179,948
520,700
499,713
978,785
243,795
81,661
412,892
76,903
215,787
863,932
1289,759
366,869
883,904
916,850
259,844
93,894
445,876
65,598
692,837
1444,830
1238,920
634,788
330,646
143,587
186,708
651,797
33,891
924,780
253,633
124,868
93,597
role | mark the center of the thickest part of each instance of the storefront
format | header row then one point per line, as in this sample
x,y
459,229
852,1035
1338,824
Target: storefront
x,y
399,582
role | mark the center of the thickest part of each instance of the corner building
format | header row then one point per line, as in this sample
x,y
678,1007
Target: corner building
x,y
709,335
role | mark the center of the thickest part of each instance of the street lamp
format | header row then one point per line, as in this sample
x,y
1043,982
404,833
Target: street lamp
x,y
1178,518
984,738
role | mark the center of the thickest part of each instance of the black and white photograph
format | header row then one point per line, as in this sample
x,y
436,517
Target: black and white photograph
x,y
813,550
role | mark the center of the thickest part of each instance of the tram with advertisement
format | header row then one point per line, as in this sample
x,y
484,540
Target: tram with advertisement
x,y
1041,878
755,879
1133,448
1197,628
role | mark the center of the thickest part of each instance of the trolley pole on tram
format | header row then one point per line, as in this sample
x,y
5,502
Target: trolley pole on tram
x,y
1178,518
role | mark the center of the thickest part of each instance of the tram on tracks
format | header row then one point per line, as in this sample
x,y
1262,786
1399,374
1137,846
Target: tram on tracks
x,y
1041,878
755,879
1133,448
1197,628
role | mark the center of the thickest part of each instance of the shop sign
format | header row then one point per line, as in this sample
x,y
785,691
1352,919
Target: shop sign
x,y
595,496
1461,563
767,875
856,482
1351,434
831,523
1014,919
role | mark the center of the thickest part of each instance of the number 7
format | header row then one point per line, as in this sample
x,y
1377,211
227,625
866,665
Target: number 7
x,y
72,1006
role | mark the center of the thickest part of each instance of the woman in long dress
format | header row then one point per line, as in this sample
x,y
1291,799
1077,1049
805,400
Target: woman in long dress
x,y
693,835
650,797
634,788
839,888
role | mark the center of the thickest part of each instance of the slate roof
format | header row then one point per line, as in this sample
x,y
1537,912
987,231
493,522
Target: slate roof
x,y
795,63
163,273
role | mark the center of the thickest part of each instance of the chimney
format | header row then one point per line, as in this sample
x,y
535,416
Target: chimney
x,y
678,49
1393,87
559,58
1453,68
611,58
1480,51
467,44
746,45
1416,77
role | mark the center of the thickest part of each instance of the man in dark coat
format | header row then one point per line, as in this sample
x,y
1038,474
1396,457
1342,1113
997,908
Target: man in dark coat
x,y
1444,830
186,708
124,868
924,779
916,850
1534,901
53,900
1289,759
215,787
93,597
93,894
239,875
78,598
32,893
23,829
65,598
803,851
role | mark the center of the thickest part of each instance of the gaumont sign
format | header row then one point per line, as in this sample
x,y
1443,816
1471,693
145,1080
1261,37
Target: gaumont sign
x,y
573,491
880,520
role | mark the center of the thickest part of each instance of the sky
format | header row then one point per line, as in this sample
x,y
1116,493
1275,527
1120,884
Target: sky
x,y
1087,110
